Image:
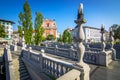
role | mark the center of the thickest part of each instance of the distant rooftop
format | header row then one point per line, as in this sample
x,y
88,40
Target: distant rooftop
x,y
88,27
7,21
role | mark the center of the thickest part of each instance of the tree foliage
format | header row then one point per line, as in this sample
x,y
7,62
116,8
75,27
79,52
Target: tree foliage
x,y
116,30
60,39
25,23
50,37
67,38
2,31
39,30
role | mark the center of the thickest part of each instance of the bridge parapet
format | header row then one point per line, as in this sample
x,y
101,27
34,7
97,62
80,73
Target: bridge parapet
x,y
51,66
8,64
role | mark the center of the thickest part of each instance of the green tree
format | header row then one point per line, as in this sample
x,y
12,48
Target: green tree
x,y
2,31
116,30
20,26
67,38
117,33
50,37
25,23
60,39
39,30
64,36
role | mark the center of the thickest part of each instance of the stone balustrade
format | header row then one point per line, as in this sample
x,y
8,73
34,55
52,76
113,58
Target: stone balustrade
x,y
64,52
8,64
51,66
101,58
92,55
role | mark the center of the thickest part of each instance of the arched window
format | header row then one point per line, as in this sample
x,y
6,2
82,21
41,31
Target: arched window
x,y
47,24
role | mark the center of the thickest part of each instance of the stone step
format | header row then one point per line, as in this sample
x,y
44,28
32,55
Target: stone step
x,y
23,68
25,78
23,71
24,74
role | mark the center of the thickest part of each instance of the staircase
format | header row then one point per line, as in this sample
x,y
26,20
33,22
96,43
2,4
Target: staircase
x,y
24,75
21,72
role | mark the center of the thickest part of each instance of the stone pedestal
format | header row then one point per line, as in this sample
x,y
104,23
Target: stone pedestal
x,y
114,54
86,72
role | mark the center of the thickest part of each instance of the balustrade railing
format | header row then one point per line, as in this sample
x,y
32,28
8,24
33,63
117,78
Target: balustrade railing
x,y
51,66
92,55
9,69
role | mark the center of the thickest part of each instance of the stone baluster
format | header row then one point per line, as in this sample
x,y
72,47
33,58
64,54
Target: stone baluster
x,y
88,47
103,38
71,52
29,53
42,60
46,46
53,67
79,38
56,47
23,40
61,70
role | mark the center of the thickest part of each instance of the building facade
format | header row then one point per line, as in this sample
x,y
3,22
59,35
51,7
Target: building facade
x,y
91,34
8,27
50,27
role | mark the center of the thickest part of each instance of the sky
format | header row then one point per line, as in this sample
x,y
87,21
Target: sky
x,y
96,12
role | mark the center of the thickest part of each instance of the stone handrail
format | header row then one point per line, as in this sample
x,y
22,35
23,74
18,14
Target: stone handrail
x,y
100,58
93,49
51,66
68,53
71,75
92,55
8,65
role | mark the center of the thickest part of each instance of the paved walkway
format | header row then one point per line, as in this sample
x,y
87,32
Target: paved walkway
x,y
20,70
112,72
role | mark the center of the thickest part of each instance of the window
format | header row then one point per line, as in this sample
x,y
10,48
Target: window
x,y
7,23
47,24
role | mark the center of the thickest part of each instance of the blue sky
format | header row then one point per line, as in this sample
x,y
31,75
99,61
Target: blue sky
x,y
96,12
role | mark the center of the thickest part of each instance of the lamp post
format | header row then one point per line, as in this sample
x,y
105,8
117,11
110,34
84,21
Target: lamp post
x,y
111,38
23,40
103,38
79,37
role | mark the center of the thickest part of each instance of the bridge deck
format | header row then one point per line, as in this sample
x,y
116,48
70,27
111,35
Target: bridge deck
x,y
97,72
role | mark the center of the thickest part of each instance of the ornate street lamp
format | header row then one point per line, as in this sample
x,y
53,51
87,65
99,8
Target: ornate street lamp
x,y
103,38
79,37
111,38
23,40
